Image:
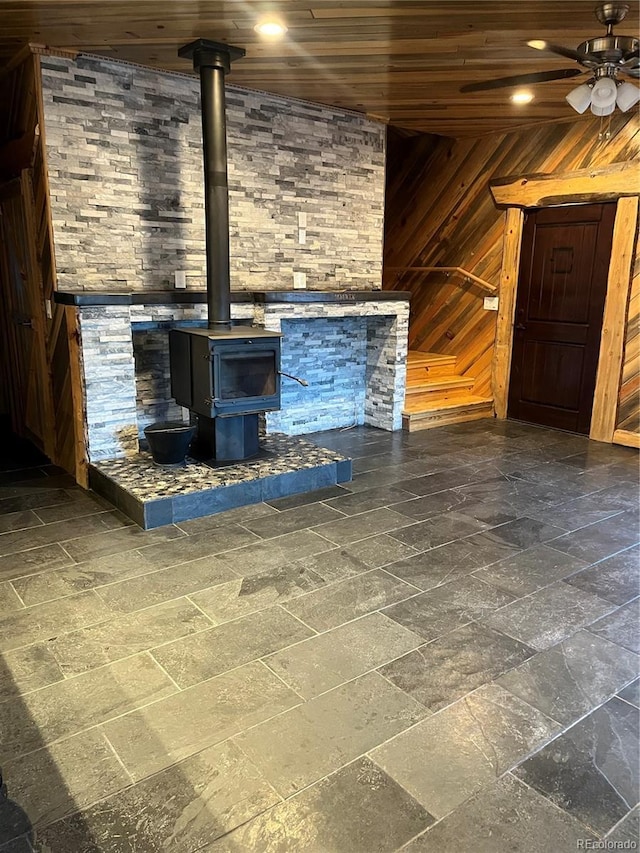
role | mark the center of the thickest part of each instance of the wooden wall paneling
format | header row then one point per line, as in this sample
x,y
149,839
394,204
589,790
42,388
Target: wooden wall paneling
x,y
605,400
514,223
628,420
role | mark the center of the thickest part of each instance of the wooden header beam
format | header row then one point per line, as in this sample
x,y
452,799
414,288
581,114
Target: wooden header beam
x,y
584,186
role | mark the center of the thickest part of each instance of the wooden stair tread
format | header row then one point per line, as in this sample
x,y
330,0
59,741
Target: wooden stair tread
x,y
440,383
436,404
415,357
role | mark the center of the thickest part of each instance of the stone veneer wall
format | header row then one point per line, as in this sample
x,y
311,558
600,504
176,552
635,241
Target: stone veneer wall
x,y
125,165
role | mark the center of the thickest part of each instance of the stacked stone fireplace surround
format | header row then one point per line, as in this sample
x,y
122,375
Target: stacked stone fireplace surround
x,y
306,195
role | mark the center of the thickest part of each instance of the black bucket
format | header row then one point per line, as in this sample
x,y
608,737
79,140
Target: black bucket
x,y
169,441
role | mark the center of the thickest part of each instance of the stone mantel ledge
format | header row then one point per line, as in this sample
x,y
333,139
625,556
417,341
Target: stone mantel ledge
x,y
194,297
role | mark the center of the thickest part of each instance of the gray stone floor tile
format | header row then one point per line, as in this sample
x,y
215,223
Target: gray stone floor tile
x,y
442,480
18,845
329,659
323,494
420,509
61,531
351,504
615,579
566,681
464,747
11,521
631,693
9,600
62,778
26,669
46,620
88,648
78,577
259,590
506,817
359,809
435,567
198,545
308,742
87,503
591,771
158,735
164,585
438,530
68,707
231,516
115,541
348,599
208,653
275,553
621,626
627,830
530,570
180,809
445,608
523,533
290,520
32,561
602,539
379,551
548,616
350,529
438,673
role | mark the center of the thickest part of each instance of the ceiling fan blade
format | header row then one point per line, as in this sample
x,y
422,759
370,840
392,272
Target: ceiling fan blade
x,y
522,79
541,44
632,72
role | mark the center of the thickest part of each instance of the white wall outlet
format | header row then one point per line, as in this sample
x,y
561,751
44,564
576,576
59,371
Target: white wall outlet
x,y
180,279
491,303
299,280
302,219
302,236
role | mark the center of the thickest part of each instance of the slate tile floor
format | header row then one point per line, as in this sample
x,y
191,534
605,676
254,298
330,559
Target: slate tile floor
x,y
438,656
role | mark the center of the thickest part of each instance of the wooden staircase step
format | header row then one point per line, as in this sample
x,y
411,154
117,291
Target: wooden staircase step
x,y
440,412
416,358
423,366
439,384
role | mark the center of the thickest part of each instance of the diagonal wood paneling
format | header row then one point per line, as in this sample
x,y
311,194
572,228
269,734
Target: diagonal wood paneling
x,y
629,401
440,212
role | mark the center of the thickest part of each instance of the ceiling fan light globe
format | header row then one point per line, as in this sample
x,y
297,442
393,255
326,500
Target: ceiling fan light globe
x,y
605,110
603,96
580,98
627,96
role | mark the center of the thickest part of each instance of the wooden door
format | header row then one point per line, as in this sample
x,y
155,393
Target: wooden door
x,y
558,319
24,371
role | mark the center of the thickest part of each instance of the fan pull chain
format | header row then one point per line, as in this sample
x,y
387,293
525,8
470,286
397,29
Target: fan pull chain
x,y
605,129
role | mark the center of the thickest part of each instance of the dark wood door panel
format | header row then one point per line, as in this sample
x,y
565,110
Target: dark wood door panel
x,y
559,307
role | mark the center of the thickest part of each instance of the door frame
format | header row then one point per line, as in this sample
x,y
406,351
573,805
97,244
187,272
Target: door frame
x,y
585,186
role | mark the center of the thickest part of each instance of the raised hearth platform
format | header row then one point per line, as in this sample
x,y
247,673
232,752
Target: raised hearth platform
x,y
153,495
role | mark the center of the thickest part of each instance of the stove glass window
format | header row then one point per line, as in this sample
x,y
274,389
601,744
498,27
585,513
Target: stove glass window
x,y
247,375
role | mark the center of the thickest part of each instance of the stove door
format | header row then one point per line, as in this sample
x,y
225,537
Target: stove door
x,y
246,380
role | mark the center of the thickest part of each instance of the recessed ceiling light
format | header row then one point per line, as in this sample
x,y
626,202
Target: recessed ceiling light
x,y
270,27
522,97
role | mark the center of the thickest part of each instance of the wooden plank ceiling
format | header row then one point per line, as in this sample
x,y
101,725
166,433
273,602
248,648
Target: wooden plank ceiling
x,y
402,62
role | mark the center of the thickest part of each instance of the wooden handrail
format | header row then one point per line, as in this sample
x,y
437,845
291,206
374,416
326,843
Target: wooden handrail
x,y
491,288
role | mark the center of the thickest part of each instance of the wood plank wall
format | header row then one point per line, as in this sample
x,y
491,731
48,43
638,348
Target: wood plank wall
x,y
629,408
440,212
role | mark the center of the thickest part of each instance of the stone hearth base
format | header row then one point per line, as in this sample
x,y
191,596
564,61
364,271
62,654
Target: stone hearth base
x,y
153,495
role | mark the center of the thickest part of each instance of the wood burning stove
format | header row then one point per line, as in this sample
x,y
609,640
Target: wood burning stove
x,y
226,374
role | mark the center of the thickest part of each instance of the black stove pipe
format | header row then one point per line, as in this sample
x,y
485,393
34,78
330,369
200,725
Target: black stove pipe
x,y
213,61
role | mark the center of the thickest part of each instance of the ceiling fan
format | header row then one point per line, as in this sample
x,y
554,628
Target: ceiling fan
x,y
604,57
